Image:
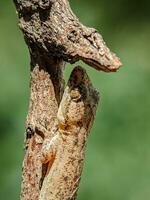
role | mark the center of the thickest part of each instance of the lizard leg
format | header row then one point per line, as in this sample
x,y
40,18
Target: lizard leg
x,y
48,153
49,149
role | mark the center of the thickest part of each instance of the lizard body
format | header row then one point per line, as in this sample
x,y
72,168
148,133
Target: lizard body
x,y
65,151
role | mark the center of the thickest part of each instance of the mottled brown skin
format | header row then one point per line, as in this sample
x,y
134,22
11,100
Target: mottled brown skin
x,y
65,151
53,35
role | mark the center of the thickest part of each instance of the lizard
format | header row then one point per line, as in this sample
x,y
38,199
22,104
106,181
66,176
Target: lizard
x,y
65,151
54,35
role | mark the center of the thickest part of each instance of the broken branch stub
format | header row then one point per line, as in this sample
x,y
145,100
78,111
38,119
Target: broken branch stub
x,y
55,35
51,27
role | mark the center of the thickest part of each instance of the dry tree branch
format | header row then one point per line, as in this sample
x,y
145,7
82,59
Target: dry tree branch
x,y
53,129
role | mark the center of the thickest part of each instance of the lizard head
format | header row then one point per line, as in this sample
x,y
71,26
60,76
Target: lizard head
x,y
79,101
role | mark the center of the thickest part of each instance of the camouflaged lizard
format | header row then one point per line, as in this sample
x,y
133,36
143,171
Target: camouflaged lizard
x,y
65,151
54,35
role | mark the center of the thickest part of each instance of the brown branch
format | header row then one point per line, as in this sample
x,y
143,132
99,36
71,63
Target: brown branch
x,y
43,108
55,35
51,26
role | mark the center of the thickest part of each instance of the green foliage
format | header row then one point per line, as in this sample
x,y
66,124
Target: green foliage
x,y
118,155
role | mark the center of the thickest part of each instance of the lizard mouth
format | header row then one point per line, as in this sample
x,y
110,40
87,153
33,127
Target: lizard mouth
x,y
78,78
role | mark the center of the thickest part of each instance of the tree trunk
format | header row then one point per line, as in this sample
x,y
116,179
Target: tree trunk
x,y
58,120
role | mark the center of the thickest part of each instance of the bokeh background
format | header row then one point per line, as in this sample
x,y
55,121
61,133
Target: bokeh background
x,y
117,165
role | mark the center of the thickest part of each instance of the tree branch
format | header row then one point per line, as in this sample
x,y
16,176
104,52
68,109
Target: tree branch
x,y
55,143
51,26
46,92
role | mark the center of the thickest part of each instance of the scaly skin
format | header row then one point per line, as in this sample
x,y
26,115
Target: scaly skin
x,y
65,151
54,35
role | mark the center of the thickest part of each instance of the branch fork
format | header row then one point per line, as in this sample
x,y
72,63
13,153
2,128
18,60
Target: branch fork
x,y
59,117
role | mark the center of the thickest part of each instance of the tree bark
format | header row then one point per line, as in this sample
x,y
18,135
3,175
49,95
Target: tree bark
x,y
58,121
46,92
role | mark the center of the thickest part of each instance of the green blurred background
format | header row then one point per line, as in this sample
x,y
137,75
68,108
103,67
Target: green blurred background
x,y
117,165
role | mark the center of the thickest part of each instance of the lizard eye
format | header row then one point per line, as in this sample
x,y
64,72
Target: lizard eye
x,y
75,95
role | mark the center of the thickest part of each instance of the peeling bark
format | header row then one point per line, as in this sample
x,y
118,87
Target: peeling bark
x,y
58,121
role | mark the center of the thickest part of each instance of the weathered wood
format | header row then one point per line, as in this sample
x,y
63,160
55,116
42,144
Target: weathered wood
x,y
43,109
51,26
55,35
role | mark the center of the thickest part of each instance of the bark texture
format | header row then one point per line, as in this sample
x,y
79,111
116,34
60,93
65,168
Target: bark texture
x,y
58,121
41,118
